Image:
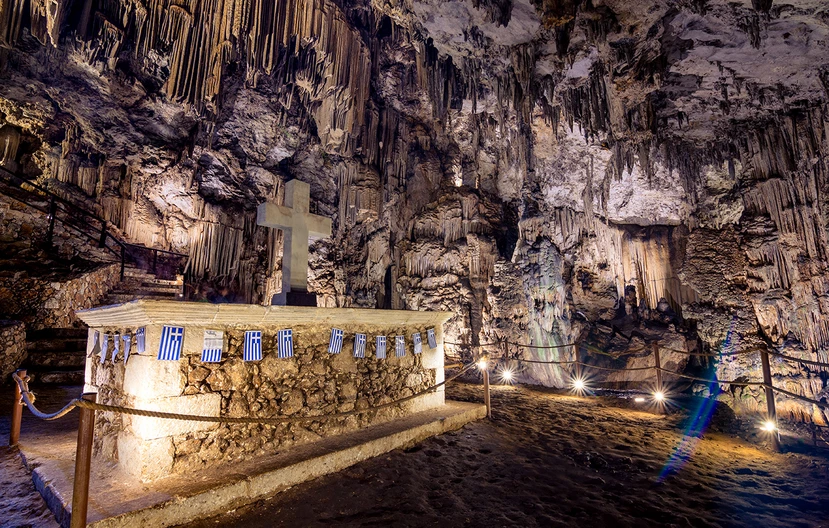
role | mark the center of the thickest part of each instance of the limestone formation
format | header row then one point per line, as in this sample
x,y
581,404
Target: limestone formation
x,y
550,171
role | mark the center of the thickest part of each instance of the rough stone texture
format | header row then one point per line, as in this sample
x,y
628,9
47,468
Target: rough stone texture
x,y
42,303
311,383
12,348
521,163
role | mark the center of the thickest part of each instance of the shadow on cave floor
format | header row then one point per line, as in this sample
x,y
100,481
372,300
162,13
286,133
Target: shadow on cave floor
x,y
550,459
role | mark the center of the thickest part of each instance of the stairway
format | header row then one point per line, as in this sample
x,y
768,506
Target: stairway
x,y
141,284
57,356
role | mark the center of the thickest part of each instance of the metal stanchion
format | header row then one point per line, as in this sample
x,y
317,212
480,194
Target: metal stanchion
x,y
658,364
17,411
83,461
772,411
486,392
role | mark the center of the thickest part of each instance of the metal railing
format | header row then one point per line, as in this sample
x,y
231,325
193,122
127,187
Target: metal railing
x,y
75,218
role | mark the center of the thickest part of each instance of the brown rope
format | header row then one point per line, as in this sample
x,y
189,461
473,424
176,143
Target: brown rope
x,y
219,419
29,401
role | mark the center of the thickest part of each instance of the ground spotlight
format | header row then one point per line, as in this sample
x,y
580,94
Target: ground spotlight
x,y
639,399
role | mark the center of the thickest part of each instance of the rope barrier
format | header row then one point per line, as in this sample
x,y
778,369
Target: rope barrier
x,y
596,350
803,361
822,405
24,390
28,399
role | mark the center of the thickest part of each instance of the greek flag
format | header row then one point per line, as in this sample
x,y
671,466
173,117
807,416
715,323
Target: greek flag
x,y
418,344
285,339
140,346
399,346
104,348
127,342
253,345
172,339
214,341
430,337
335,346
115,337
380,351
360,346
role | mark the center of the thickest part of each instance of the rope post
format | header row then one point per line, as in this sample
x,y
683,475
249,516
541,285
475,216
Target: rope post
x,y
53,210
658,365
83,461
17,411
487,401
577,357
772,411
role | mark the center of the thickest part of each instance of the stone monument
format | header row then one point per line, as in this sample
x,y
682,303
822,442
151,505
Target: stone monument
x,y
298,226
314,382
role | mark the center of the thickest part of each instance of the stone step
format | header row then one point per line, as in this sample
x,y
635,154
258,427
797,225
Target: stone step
x,y
161,288
55,359
118,298
56,333
56,377
56,345
155,281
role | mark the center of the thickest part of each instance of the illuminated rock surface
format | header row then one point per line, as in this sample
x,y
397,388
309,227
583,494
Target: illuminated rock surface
x,y
519,163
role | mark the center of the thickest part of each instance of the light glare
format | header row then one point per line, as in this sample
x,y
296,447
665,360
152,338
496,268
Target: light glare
x,y
506,375
769,426
482,363
659,396
578,384
639,399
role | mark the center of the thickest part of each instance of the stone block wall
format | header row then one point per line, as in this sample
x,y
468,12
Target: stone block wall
x,y
42,303
312,383
12,348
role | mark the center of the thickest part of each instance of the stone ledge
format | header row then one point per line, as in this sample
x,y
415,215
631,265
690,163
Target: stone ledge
x,y
116,500
151,312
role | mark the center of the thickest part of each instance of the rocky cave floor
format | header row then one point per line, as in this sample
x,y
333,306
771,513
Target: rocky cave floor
x,y
546,459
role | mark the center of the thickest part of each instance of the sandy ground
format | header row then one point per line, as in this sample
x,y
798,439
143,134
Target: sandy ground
x,y
546,459
549,459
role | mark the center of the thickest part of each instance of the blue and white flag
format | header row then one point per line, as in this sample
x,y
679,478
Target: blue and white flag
x,y
127,342
253,345
117,348
104,348
399,346
418,344
140,343
335,346
360,346
172,339
214,341
380,347
285,339
430,337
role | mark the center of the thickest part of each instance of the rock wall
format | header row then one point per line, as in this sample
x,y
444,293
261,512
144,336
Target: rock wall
x,y
44,303
312,383
547,170
12,348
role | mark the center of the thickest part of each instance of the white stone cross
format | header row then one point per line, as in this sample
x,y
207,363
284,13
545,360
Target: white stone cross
x,y
298,227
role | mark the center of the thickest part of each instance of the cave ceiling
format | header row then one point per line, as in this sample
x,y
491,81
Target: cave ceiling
x,y
520,162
